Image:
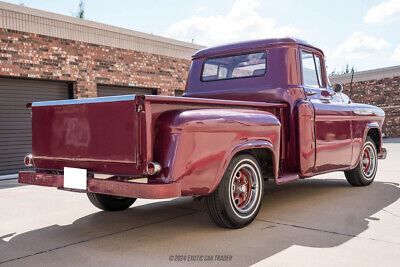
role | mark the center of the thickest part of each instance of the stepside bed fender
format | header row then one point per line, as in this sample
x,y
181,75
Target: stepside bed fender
x,y
194,147
250,145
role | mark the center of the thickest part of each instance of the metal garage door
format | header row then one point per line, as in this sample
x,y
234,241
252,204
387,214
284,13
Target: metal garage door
x,y
15,119
107,90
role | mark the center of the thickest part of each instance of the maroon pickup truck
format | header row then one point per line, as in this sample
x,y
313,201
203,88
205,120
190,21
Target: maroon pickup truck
x,y
252,111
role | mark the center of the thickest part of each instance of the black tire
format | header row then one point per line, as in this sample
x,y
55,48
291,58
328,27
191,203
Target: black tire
x,y
363,175
225,206
109,202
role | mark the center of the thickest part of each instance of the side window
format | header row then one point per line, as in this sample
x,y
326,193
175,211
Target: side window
x,y
319,71
310,76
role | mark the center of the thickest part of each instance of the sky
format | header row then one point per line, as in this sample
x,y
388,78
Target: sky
x,y
365,34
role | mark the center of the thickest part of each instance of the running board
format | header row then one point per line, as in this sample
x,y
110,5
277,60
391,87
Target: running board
x,y
287,177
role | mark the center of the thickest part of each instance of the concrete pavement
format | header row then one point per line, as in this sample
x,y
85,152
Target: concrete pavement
x,y
321,221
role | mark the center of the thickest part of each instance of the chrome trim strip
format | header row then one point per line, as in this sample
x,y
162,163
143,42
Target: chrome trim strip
x,y
84,100
363,111
368,111
379,112
84,160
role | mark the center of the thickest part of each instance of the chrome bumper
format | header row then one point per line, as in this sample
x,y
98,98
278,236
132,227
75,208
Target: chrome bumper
x,y
104,186
383,153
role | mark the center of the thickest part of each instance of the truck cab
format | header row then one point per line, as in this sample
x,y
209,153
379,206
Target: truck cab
x,y
252,111
323,130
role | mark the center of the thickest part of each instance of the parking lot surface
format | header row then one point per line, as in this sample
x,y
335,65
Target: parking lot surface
x,y
321,221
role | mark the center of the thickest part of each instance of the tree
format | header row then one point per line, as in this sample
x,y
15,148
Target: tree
x,y
81,10
346,70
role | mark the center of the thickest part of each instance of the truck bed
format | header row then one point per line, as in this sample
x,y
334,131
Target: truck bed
x,y
110,135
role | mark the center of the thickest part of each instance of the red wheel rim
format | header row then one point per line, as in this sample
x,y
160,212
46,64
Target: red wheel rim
x,y
241,193
368,161
245,185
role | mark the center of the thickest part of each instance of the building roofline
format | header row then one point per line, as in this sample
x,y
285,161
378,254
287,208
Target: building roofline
x,y
366,75
62,21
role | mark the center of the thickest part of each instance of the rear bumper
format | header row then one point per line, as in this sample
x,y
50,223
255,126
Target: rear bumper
x,y
383,153
103,186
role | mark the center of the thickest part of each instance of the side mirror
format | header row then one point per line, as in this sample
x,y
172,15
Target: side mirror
x,y
338,88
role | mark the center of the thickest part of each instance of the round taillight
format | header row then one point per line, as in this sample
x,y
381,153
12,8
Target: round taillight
x,y
153,168
28,161
150,168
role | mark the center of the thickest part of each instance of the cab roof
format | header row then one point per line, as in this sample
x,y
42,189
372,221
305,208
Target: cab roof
x,y
248,45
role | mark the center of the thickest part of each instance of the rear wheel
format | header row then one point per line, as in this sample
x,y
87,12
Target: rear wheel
x,y
109,202
364,173
236,201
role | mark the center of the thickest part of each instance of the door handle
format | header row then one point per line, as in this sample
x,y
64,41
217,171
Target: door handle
x,y
310,93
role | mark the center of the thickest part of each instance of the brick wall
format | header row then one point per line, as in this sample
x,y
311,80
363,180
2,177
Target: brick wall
x,y
37,56
384,93
86,65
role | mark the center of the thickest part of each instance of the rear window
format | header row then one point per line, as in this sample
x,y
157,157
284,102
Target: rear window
x,y
235,66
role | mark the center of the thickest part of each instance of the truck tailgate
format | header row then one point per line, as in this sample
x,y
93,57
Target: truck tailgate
x,y
98,134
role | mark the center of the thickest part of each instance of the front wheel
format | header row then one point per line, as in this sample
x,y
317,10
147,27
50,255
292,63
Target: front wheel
x,y
109,202
236,201
364,173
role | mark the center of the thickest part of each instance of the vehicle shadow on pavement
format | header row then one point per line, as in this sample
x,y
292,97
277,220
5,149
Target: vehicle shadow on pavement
x,y
318,213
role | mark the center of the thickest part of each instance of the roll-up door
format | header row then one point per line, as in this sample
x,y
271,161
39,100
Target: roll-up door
x,y
15,118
